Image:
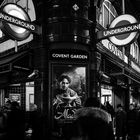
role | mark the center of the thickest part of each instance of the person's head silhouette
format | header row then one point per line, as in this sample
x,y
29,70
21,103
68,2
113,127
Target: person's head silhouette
x,y
90,124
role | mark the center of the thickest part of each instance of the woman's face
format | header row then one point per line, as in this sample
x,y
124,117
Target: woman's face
x,y
64,84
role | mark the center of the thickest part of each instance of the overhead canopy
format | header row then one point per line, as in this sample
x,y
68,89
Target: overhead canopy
x,y
12,58
6,62
129,74
120,70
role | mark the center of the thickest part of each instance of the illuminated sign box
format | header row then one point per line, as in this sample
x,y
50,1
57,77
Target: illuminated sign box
x,y
69,55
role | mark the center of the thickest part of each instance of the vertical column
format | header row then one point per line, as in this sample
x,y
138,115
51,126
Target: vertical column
x,y
41,83
66,21
127,97
129,84
95,56
94,73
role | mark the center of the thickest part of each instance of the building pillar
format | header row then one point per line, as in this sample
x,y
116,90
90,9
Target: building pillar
x,y
41,95
127,95
67,21
94,73
95,58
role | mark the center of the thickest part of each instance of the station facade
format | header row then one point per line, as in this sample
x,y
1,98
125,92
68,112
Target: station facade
x,y
30,68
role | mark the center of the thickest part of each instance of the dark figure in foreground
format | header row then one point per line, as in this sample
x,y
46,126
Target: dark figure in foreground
x,y
132,123
120,121
35,123
91,123
15,123
94,102
110,109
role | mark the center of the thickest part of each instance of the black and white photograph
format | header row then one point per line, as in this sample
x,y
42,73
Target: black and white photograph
x,y
69,70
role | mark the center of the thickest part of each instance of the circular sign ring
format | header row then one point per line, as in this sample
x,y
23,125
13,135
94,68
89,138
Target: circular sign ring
x,y
15,31
131,36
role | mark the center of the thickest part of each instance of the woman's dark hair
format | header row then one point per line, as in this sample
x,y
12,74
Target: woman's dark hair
x,y
64,77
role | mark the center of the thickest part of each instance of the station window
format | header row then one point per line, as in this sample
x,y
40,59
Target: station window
x,y
106,94
134,51
107,14
29,90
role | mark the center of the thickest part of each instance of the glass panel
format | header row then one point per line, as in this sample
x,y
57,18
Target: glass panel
x,y
15,97
69,88
106,19
107,14
29,96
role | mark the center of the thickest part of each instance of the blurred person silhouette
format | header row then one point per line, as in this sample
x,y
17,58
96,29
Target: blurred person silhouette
x,y
7,106
90,123
120,123
35,122
95,102
3,119
132,122
110,109
3,126
15,122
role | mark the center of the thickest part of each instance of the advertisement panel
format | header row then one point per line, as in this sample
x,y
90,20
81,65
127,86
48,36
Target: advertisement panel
x,y
68,90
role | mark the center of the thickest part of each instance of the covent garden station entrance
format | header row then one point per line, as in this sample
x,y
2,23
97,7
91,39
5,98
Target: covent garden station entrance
x,y
40,44
17,29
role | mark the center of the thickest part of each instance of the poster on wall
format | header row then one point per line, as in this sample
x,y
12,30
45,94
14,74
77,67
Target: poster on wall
x,y
69,90
15,97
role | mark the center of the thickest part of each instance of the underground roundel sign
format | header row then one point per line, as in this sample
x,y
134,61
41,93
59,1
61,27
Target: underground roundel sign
x,y
14,14
122,22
